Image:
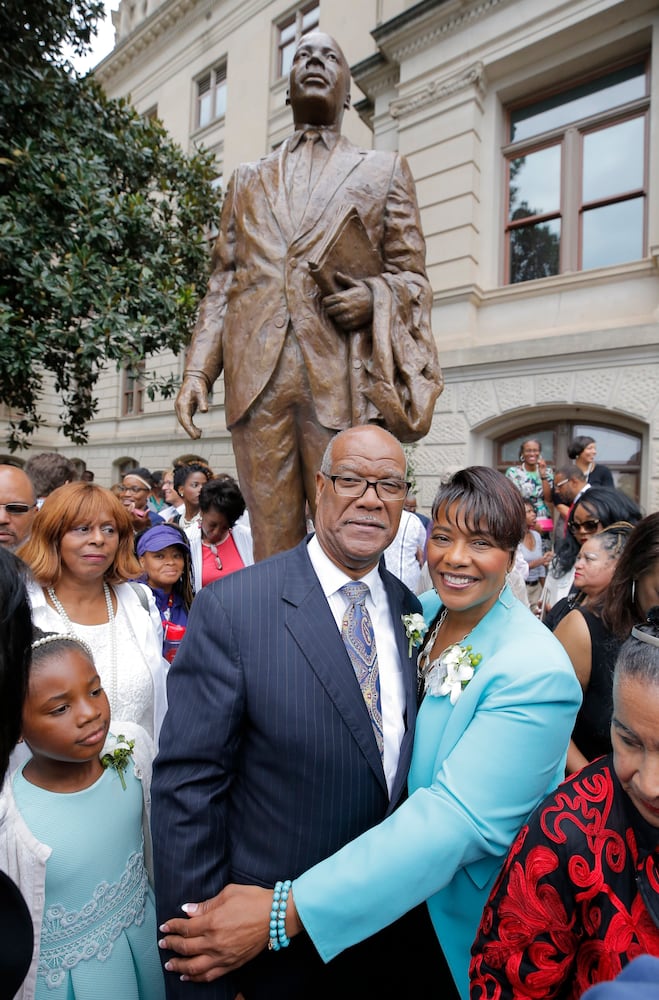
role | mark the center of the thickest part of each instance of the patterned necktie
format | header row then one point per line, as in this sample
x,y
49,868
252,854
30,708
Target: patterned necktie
x,y
357,633
301,181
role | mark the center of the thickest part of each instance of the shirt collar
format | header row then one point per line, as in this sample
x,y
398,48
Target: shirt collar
x,y
332,578
328,136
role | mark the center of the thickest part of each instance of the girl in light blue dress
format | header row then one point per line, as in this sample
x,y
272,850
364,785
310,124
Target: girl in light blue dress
x,y
76,836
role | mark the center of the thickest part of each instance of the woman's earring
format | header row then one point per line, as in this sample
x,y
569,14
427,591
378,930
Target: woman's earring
x,y
633,592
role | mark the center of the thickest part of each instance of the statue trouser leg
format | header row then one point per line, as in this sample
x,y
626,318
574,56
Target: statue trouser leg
x,y
278,447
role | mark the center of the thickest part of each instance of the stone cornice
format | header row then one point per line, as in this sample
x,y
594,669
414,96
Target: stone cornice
x,y
438,90
423,26
171,13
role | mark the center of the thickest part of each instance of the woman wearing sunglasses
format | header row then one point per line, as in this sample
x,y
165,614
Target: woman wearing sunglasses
x,y
578,897
594,510
591,646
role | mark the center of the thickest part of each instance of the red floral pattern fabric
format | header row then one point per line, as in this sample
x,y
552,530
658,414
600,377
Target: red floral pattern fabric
x,y
567,910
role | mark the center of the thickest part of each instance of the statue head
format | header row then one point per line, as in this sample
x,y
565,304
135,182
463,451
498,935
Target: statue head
x,y
319,81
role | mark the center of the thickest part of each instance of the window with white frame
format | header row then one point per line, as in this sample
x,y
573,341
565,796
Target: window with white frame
x,y
132,390
290,32
212,95
576,163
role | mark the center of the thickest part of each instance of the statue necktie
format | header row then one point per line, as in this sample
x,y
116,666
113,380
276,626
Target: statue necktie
x,y
357,633
301,182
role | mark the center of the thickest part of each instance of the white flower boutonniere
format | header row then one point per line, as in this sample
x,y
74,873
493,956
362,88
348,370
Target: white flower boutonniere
x,y
451,673
415,629
116,753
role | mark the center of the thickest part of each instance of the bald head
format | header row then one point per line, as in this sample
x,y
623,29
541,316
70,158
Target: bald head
x,y
17,494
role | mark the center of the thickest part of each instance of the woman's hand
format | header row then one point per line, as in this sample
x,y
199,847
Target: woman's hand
x,y
220,934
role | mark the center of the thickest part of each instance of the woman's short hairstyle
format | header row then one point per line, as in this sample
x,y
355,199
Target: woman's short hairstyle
x,y
142,473
66,507
223,494
528,441
577,445
183,472
604,504
15,652
620,610
638,659
486,500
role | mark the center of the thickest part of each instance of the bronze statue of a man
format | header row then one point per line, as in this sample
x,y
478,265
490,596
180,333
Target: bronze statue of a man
x,y
300,361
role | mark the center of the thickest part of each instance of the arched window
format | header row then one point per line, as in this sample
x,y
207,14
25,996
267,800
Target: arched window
x,y
617,449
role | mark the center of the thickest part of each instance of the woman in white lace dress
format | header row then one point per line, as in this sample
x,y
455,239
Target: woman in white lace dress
x,y
81,557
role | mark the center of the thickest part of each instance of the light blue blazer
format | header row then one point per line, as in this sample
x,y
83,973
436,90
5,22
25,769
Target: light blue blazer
x,y
478,769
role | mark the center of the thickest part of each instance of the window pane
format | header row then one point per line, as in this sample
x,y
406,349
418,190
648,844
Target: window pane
x,y
310,20
535,251
613,160
613,234
220,100
612,446
287,33
535,184
287,53
510,451
590,98
205,106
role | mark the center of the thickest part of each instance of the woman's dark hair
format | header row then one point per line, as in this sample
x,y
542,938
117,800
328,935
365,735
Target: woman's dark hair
x,y
487,500
140,471
620,610
577,445
15,652
604,504
183,472
55,642
183,586
223,494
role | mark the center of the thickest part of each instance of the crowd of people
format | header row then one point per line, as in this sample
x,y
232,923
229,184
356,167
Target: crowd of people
x,y
243,779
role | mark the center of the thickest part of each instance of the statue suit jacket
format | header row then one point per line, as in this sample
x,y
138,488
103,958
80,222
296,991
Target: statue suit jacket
x,y
267,759
261,283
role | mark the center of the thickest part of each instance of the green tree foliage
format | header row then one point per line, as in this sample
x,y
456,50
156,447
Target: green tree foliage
x,y
103,256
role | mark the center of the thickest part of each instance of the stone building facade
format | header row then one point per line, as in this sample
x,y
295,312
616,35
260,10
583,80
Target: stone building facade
x,y
532,131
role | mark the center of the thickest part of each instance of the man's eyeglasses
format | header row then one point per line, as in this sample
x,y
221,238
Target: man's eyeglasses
x,y
563,482
589,527
18,508
134,489
356,486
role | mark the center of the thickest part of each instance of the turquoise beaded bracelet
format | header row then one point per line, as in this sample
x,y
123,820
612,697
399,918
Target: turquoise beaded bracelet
x,y
278,938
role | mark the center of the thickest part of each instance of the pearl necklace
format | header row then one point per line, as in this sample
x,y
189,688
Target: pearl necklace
x,y
59,607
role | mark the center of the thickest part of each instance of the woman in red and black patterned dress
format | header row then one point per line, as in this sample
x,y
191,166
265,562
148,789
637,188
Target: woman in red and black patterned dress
x,y
578,896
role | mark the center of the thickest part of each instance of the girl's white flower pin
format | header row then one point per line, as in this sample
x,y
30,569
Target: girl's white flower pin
x,y
116,753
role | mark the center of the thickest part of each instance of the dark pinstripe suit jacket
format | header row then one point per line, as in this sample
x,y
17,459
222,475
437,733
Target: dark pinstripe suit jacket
x,y
267,758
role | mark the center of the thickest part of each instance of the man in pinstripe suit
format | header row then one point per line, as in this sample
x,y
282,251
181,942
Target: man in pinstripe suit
x,y
268,759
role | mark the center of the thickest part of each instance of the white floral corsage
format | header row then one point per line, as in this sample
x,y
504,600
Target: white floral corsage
x,y
116,753
451,673
415,629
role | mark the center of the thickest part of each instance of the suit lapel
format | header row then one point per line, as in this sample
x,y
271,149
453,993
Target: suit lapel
x,y
341,162
310,622
326,194
273,181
